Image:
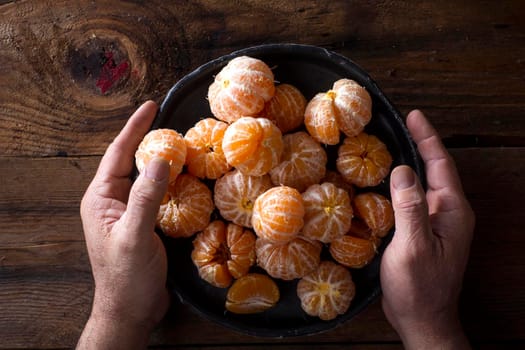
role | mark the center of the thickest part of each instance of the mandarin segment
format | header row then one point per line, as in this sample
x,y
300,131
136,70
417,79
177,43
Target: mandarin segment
x,y
337,179
363,160
241,244
210,255
252,293
286,108
328,212
303,162
241,88
320,119
353,105
253,145
352,251
242,140
222,252
375,211
347,107
205,158
278,214
235,195
164,143
288,260
186,207
326,292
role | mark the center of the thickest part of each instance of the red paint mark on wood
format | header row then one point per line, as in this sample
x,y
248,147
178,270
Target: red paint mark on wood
x,y
111,73
135,74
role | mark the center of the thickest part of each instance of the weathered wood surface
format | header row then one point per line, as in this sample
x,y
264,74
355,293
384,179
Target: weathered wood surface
x,y
46,286
72,71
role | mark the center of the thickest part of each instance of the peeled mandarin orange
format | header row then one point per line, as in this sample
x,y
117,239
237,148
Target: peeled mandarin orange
x,y
241,88
164,143
286,108
288,260
375,211
328,212
353,105
235,195
186,208
278,214
320,119
337,179
363,160
352,251
326,292
253,145
205,158
252,293
210,255
222,252
303,162
347,107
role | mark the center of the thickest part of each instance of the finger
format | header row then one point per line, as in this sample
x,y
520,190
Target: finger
x,y
440,169
145,197
119,157
409,203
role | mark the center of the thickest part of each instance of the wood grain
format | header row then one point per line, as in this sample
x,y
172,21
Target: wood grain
x,y
442,57
71,72
43,307
43,263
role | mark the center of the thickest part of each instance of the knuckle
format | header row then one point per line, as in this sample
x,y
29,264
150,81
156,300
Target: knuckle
x,y
411,203
411,207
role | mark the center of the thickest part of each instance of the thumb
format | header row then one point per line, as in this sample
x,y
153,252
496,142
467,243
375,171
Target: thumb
x,y
145,196
409,203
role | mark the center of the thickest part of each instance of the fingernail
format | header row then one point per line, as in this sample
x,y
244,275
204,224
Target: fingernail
x,y
157,169
402,178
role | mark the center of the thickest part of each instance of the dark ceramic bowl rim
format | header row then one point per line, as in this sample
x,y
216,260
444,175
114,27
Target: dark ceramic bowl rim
x,y
358,74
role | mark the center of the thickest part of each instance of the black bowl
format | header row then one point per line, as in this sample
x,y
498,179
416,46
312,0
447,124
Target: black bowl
x,y
311,69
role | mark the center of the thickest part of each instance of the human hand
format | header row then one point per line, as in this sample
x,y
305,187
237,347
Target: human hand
x,y
128,259
422,268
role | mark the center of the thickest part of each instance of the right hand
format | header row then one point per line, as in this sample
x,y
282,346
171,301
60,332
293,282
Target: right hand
x,y
422,268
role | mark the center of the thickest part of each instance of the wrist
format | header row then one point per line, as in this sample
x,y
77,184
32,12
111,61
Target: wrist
x,y
445,333
109,333
109,327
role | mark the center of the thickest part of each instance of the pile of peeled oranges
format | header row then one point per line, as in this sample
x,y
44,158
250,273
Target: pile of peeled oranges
x,y
254,188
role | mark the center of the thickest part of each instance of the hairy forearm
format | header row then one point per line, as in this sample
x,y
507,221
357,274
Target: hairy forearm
x,y
435,335
102,334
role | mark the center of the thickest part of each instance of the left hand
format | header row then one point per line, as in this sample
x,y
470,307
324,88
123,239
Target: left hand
x,y
128,259
422,267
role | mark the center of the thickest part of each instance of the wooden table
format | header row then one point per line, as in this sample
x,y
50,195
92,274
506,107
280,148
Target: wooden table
x,y
71,72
